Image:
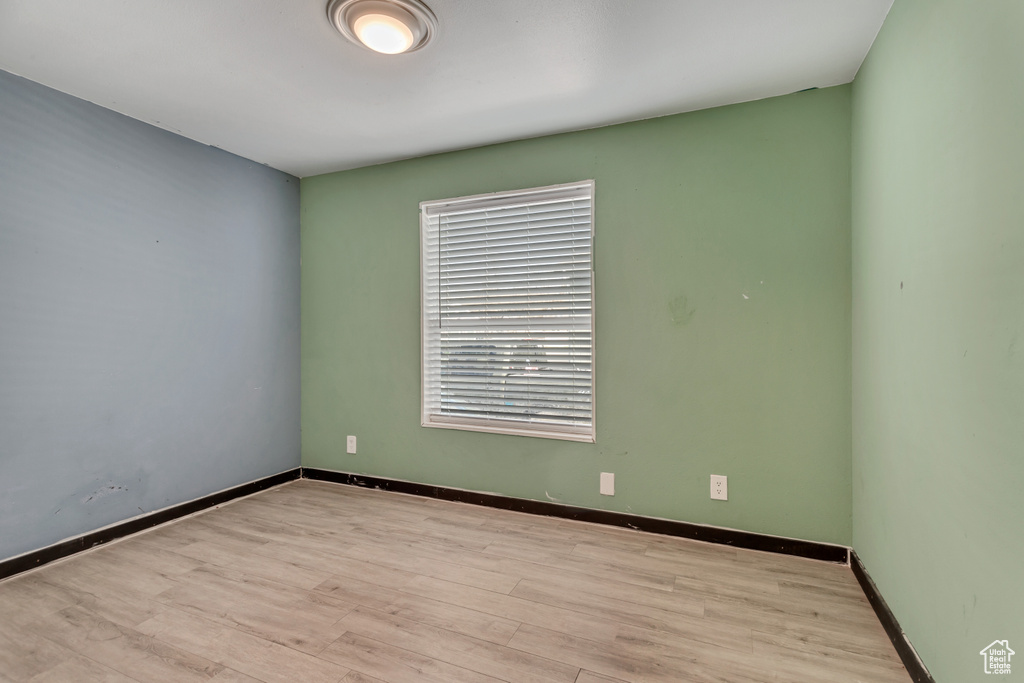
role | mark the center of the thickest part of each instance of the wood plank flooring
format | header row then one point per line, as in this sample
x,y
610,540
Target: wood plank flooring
x,y
314,582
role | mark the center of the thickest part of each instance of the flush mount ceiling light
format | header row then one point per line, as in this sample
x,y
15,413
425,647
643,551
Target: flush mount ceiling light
x,y
388,26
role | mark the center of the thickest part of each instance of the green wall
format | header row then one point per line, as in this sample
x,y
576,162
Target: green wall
x,y
722,261
938,362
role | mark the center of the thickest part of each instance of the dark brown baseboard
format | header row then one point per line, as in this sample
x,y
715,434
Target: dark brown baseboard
x,y
38,558
733,537
915,667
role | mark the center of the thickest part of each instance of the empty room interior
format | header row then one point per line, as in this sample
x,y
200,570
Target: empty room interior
x,y
529,341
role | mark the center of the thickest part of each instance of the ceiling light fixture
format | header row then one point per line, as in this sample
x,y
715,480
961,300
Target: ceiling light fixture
x,y
387,26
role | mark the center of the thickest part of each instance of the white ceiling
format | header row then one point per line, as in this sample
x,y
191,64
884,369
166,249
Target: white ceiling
x,y
271,80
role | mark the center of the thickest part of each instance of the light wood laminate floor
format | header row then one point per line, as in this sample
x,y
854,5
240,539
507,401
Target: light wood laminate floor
x,y
312,582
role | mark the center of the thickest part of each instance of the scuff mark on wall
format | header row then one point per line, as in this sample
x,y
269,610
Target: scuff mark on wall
x,y
103,491
680,310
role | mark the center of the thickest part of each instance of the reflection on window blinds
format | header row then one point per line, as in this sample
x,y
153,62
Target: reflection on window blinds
x,y
508,312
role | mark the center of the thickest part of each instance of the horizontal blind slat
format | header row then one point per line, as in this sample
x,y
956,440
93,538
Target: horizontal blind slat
x,y
572,232
575,222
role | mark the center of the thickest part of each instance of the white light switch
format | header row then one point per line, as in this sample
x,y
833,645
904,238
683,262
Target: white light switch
x,y
351,444
607,483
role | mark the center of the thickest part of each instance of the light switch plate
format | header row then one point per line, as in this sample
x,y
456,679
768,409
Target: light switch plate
x,y
607,483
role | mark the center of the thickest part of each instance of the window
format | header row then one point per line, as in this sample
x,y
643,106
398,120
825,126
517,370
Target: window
x,y
508,323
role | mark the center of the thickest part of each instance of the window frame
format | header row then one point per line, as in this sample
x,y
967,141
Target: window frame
x,y
476,424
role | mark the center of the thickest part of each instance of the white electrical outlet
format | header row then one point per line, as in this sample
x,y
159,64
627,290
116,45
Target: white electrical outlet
x,y
351,443
719,487
607,483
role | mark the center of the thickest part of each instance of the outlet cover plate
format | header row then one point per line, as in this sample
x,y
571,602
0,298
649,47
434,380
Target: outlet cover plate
x,y
607,483
719,487
351,445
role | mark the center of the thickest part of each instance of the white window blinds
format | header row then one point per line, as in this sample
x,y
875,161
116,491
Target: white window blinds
x,y
508,312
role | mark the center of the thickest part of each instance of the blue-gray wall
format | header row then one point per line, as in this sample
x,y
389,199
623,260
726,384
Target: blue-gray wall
x,y
149,318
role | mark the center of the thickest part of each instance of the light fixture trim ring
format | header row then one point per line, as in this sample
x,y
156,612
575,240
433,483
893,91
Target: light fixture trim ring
x,y
343,13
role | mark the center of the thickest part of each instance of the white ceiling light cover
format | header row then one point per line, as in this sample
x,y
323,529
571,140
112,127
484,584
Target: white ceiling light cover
x,y
386,26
